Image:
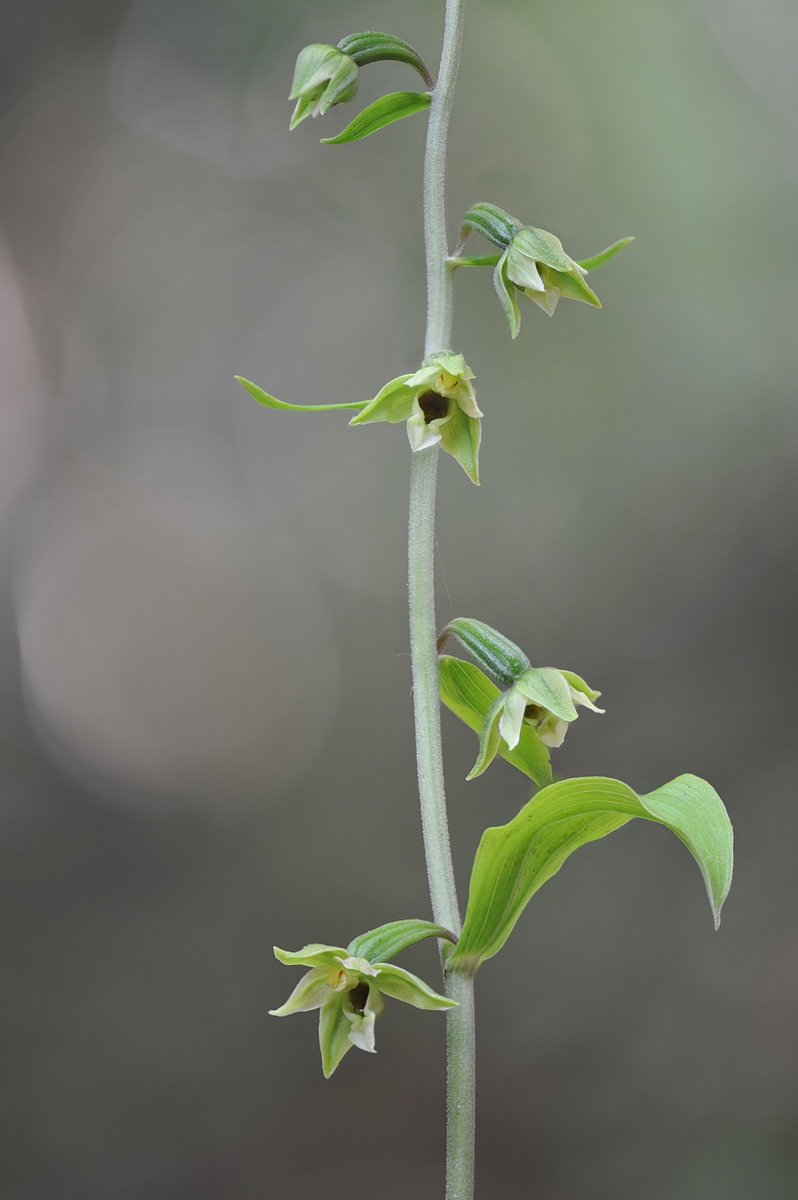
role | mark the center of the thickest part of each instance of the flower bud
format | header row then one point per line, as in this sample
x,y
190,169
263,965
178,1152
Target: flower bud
x,y
323,76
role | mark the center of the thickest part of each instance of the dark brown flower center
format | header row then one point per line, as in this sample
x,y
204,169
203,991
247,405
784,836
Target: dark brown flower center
x,y
534,712
433,406
358,997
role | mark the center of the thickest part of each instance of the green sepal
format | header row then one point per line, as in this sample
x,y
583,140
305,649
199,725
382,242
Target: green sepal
x,y
493,223
382,112
461,436
598,260
489,739
386,941
506,294
500,657
401,985
271,402
334,1030
513,861
323,76
309,994
469,694
543,247
315,954
548,687
393,403
315,65
370,47
572,286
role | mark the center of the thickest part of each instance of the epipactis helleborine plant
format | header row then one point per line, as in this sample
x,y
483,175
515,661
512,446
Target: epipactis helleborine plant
x,y
518,710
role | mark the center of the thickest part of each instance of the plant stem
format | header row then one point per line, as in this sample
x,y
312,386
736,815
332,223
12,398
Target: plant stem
x,y
439,275
426,699
423,631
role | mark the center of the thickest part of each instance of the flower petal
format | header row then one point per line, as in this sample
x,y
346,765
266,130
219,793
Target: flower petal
x,y
314,955
523,272
581,692
393,403
547,300
304,108
543,246
401,985
512,717
548,688
361,1024
466,399
311,992
570,284
506,293
334,1029
361,965
460,437
551,731
421,435
342,85
314,67
489,738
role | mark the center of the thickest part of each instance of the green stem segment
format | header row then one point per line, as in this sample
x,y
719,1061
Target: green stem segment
x,y
423,632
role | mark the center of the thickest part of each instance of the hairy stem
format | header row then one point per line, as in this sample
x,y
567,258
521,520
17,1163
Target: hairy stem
x,y
423,630
426,702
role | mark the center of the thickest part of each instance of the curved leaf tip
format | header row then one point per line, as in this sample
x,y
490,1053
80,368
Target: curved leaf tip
x,y
513,861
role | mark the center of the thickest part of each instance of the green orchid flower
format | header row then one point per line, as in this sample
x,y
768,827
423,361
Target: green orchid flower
x,y
348,990
536,264
323,76
544,698
439,405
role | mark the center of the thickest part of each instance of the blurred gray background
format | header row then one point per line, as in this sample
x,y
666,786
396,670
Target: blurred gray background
x,y
206,736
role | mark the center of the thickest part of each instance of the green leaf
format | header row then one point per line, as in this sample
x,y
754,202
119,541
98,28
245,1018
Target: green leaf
x,y
271,402
493,223
386,941
369,47
469,694
598,260
513,861
382,112
500,657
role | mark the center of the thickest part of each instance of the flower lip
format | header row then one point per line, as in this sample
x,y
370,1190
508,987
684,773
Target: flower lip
x,y
358,996
434,406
